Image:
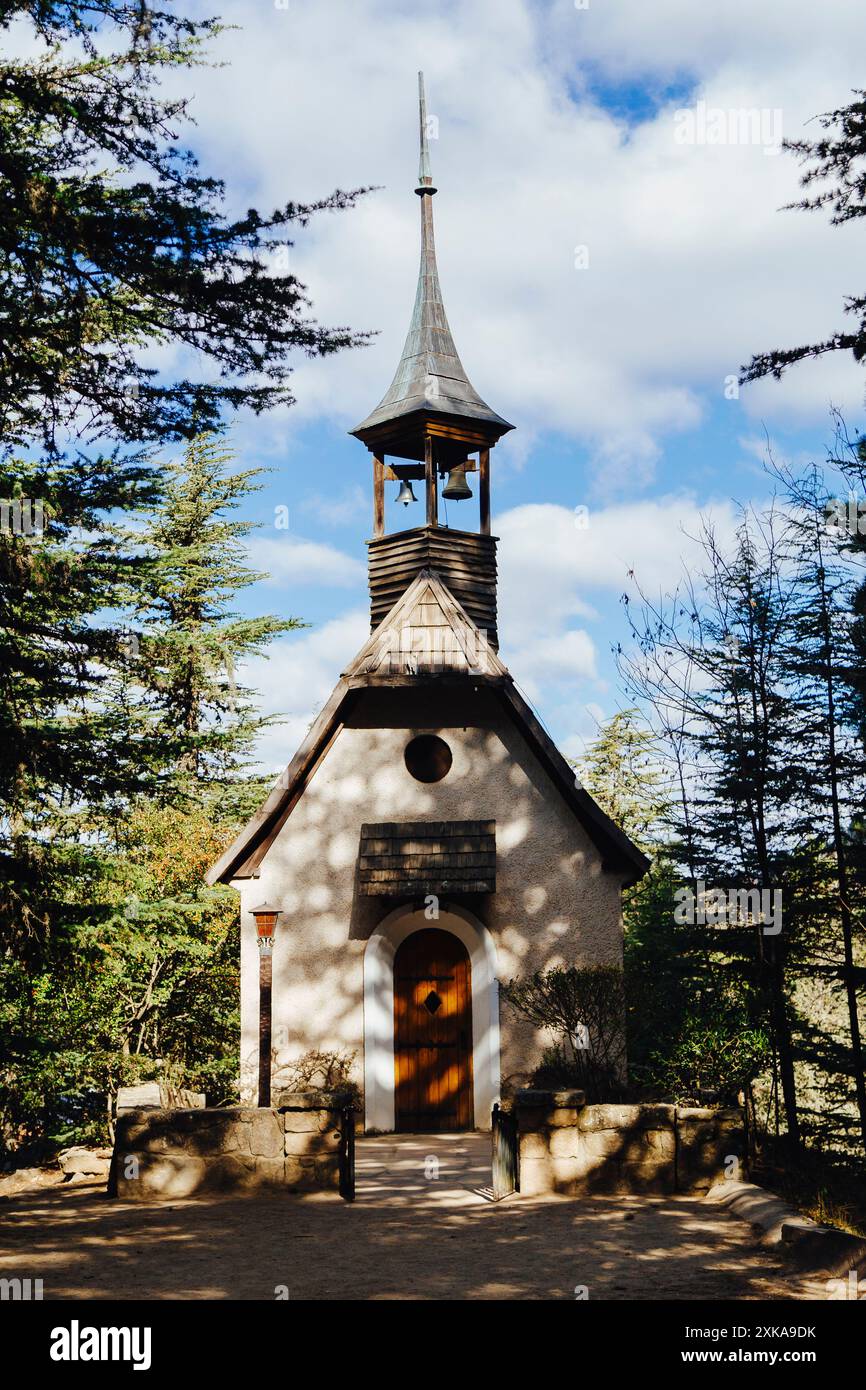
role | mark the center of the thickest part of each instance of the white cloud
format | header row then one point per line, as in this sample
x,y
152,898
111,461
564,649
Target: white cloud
x,y
292,560
337,510
548,564
552,658
297,677
673,36
691,265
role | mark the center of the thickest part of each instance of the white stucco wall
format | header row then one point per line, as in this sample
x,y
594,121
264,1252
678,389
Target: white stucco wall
x,y
554,904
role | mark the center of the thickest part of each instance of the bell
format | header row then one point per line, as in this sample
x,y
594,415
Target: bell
x,y
457,487
406,495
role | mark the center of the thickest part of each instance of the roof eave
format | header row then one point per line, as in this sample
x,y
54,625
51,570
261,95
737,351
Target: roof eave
x,y
405,432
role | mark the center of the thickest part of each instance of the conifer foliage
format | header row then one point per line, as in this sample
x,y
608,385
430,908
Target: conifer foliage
x,y
112,241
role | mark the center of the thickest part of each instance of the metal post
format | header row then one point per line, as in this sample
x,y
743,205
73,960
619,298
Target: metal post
x,y
266,957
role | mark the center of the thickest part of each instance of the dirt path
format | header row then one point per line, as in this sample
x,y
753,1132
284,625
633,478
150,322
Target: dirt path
x,y
419,1229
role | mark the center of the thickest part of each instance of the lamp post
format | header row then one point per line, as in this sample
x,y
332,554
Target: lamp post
x,y
266,920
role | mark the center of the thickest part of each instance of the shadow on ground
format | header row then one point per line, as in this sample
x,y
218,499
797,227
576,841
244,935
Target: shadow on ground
x,y
420,1228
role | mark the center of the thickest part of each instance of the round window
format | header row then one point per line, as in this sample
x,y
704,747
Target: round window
x,y
428,758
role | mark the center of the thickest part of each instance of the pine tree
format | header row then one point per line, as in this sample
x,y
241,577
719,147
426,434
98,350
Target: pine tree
x,y
61,749
710,665
848,461
836,169
621,771
190,644
113,243
821,655
133,972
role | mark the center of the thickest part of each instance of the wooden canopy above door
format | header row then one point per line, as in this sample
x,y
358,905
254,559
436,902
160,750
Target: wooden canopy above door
x,y
413,858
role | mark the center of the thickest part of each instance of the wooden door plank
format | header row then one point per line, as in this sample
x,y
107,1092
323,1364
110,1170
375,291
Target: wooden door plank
x,y
432,1049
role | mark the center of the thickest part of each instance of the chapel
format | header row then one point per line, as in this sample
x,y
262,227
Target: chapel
x,y
428,840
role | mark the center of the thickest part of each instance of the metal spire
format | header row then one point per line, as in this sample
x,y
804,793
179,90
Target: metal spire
x,y
430,375
425,178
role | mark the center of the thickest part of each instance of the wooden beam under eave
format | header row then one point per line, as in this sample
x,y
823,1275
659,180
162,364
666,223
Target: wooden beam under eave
x,y
430,477
378,496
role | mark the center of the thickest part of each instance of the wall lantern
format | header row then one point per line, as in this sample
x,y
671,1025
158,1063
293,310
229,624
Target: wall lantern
x,y
266,921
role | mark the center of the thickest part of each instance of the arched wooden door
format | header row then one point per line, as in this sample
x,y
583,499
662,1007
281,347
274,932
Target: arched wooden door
x,y
433,1033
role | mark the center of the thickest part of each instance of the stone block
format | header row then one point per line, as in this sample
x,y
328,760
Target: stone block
x,y
627,1117
563,1117
536,1177
706,1141
233,1138
148,1131
176,1097
203,1132
649,1176
311,1142
328,1171
549,1100
661,1143
535,1144
238,1149
565,1143
568,1175
147,1096
605,1148
300,1172
603,1143
310,1100
163,1177
270,1172
532,1120
266,1134
157,1095
303,1121
78,1160
227,1173
661,1117
605,1176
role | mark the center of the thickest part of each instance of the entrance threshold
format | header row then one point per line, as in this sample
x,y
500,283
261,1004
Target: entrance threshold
x,y
449,1170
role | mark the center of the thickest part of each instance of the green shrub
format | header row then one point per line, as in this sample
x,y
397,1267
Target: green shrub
x,y
712,1059
583,1006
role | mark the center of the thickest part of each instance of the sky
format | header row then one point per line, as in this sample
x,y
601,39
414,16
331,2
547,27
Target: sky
x,y
611,250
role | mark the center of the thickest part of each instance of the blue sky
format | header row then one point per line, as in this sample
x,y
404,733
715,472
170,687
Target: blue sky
x,y
557,130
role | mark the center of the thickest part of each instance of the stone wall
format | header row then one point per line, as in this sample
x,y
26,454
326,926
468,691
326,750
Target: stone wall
x,y
569,1147
167,1154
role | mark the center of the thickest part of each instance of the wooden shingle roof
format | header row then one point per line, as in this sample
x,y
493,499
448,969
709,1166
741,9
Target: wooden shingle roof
x,y
414,858
427,632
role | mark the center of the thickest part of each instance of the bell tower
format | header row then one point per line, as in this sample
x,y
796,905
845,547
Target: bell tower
x,y
432,427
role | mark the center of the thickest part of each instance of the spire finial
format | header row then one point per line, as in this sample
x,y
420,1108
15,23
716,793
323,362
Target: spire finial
x,y
425,178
